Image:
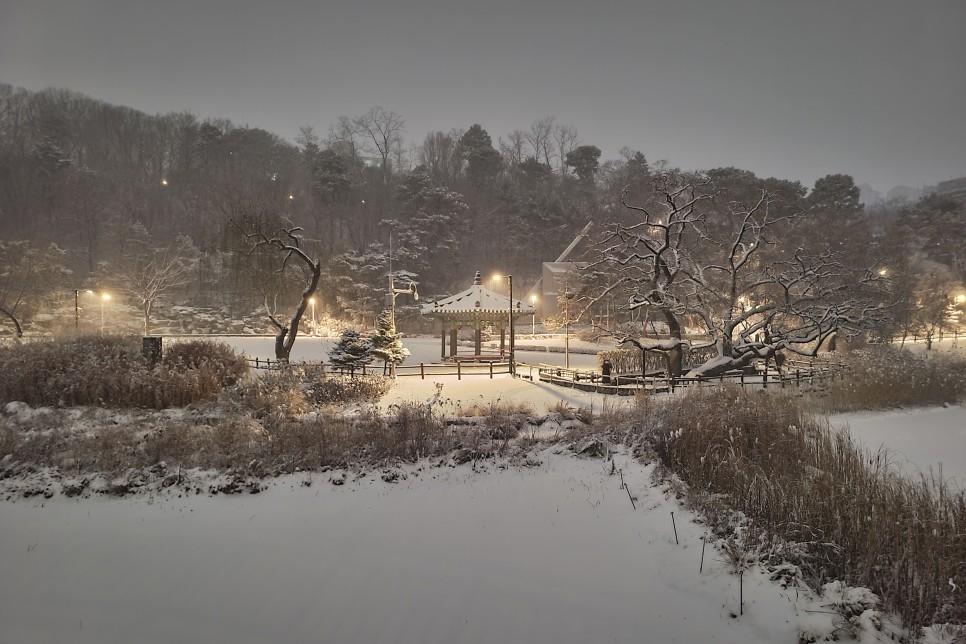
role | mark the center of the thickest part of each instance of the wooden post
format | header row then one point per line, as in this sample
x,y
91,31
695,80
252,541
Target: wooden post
x,y
459,370
422,371
491,371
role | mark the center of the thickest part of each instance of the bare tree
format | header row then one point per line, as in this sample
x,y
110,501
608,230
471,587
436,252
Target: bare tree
x,y
732,270
28,277
384,129
565,138
513,148
440,154
540,140
285,244
146,272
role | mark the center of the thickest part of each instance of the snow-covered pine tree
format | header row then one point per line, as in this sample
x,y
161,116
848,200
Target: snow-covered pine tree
x,y
352,351
386,343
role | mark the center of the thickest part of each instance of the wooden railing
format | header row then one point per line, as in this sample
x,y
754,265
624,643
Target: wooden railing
x,y
458,368
629,384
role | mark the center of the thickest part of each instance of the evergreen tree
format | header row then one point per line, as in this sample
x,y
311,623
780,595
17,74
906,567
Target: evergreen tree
x,y
352,351
387,343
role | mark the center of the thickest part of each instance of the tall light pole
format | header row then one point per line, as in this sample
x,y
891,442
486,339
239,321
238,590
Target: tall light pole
x,y
393,292
567,296
104,298
77,292
533,305
315,328
509,279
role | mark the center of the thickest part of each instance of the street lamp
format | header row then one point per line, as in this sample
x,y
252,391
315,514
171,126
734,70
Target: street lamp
x,y
393,292
533,305
77,292
509,279
567,297
104,298
315,328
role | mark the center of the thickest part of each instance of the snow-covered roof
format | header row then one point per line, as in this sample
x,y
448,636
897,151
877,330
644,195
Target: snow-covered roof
x,y
476,299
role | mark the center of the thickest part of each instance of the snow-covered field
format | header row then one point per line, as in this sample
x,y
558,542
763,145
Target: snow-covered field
x,y
552,552
543,549
930,441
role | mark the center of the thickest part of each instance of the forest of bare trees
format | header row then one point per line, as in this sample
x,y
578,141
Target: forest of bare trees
x,y
98,196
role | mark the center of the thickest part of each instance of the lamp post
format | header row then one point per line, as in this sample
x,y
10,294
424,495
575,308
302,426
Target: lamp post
x,y
567,296
533,305
393,292
509,279
315,328
77,292
104,298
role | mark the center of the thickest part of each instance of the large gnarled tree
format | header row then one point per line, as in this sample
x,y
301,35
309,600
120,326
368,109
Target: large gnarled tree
x,y
733,266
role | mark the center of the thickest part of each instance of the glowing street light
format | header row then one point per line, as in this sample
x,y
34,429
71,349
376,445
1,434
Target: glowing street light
x,y
104,298
164,182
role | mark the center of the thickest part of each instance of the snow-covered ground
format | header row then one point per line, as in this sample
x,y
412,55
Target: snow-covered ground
x,y
543,549
930,441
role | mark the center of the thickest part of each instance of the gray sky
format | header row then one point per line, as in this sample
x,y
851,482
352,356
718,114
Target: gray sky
x,y
785,88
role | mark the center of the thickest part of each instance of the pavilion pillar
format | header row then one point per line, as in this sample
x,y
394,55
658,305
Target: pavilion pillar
x,y
478,341
502,340
452,343
442,337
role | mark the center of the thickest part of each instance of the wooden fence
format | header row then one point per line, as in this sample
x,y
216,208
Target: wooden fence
x,y
795,374
458,369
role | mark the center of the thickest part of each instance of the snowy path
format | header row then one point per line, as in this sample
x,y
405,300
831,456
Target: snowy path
x,y
552,553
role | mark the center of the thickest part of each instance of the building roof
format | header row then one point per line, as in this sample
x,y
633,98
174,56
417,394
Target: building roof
x,y
477,299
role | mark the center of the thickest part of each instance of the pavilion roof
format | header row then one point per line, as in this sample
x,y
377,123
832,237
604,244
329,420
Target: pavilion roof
x,y
477,299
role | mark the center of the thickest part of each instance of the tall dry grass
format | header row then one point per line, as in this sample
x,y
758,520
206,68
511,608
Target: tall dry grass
x,y
91,370
859,519
884,376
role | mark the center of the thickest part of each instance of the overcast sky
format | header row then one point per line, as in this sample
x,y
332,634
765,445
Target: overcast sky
x,y
792,89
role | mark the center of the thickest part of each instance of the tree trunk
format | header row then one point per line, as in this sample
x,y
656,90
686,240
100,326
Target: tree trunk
x,y
18,330
282,350
675,357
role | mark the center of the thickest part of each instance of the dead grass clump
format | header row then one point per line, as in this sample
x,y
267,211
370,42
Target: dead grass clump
x,y
883,377
299,389
90,370
857,517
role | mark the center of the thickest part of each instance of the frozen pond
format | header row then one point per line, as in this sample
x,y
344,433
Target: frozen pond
x,y
422,349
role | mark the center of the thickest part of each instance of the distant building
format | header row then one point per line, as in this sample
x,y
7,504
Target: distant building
x,y
556,281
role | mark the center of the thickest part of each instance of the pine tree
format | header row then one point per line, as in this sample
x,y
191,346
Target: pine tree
x,y
352,351
387,343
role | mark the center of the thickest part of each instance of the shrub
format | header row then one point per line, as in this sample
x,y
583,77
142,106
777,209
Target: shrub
x,y
294,390
227,366
91,370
